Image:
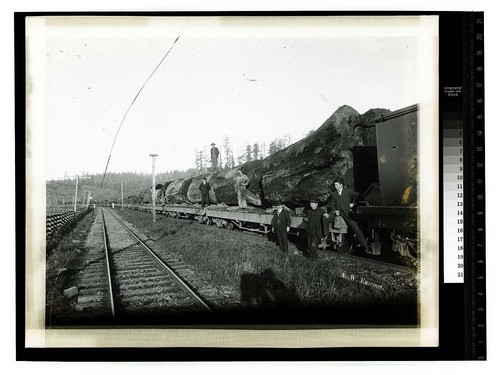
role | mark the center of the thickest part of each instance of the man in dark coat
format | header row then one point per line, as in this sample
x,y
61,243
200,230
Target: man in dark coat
x,y
204,188
314,228
281,226
214,156
342,201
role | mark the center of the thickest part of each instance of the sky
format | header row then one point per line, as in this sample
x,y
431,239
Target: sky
x,y
252,80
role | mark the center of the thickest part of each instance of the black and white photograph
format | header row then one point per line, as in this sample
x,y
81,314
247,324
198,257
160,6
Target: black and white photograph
x,y
203,180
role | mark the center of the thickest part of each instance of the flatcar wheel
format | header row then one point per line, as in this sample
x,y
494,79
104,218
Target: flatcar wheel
x,y
209,222
348,245
230,226
411,258
346,248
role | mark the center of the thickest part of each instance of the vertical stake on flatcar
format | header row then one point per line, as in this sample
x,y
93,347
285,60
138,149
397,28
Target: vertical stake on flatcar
x,y
153,190
76,192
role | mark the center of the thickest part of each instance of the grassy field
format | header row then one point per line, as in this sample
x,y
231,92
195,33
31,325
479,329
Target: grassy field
x,y
252,270
253,267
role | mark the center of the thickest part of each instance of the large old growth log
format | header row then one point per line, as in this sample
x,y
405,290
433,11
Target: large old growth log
x,y
295,174
223,182
173,191
308,168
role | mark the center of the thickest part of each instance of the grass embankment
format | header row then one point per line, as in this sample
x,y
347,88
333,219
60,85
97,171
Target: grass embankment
x,y
233,258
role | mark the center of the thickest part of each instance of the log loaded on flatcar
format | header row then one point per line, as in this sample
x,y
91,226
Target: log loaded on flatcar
x,y
375,153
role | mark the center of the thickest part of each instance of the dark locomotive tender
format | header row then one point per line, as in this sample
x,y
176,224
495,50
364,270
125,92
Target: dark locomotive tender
x,y
386,210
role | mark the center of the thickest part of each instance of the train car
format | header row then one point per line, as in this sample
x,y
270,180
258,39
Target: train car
x,y
252,219
387,208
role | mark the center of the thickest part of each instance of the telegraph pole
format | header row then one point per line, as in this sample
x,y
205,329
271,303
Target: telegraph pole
x,y
76,191
122,193
88,194
153,191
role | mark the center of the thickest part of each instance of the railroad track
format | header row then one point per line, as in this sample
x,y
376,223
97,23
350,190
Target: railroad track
x,y
123,277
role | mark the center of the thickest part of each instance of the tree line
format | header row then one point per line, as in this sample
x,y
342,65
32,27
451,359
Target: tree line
x,y
63,191
249,152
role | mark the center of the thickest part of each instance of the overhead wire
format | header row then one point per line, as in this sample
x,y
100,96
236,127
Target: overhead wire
x,y
128,109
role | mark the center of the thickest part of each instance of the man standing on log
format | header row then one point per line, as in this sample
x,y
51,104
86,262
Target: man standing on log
x,y
204,188
241,189
314,228
214,156
281,226
342,201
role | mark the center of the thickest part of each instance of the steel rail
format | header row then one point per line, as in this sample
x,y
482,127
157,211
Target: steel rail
x,y
108,267
166,267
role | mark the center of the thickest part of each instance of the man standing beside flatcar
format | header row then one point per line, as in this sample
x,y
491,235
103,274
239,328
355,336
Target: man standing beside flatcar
x,y
342,201
281,226
314,228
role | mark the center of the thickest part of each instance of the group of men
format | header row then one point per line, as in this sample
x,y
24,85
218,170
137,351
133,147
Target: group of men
x,y
240,186
318,220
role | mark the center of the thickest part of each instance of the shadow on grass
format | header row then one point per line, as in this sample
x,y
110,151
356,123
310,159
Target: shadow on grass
x,y
265,291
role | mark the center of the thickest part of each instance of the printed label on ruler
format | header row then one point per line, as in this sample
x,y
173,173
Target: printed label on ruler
x,y
453,201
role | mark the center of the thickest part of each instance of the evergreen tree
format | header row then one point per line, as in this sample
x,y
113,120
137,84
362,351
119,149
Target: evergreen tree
x,y
263,152
199,160
256,151
228,153
248,153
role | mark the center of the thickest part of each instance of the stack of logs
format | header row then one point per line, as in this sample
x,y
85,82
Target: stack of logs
x,y
294,175
57,224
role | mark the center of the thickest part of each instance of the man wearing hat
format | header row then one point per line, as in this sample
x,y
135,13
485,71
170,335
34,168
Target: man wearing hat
x,y
214,156
281,225
204,189
240,186
342,201
314,228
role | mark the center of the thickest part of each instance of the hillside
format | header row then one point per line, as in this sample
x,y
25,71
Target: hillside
x,y
63,191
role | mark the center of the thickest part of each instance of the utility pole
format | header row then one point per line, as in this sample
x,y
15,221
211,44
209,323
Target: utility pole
x,y
88,194
122,193
76,192
153,190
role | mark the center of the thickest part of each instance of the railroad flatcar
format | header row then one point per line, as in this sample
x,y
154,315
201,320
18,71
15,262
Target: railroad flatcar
x,y
386,209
